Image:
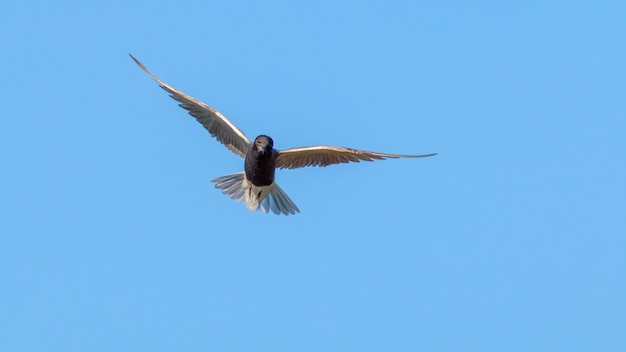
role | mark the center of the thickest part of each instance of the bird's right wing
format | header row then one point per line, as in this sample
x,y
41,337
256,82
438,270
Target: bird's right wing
x,y
324,155
217,124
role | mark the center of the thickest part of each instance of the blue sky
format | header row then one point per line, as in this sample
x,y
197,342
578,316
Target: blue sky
x,y
513,238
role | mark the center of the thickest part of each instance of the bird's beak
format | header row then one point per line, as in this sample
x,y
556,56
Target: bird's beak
x,y
264,150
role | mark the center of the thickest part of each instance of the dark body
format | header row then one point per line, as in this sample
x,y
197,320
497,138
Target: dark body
x,y
260,163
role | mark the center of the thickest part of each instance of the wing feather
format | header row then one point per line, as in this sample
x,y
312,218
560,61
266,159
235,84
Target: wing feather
x,y
324,155
217,124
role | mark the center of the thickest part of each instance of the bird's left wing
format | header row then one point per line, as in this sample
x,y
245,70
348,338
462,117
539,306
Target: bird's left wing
x,y
217,124
324,155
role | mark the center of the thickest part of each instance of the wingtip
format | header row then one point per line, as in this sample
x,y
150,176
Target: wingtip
x,y
135,59
145,69
420,155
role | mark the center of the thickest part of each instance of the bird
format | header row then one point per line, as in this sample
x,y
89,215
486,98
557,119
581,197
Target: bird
x,y
256,186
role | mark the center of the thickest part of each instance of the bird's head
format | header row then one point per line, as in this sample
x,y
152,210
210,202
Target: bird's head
x,y
263,144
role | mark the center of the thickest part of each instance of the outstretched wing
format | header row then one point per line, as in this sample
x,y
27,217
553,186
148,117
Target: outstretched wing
x,y
217,124
324,155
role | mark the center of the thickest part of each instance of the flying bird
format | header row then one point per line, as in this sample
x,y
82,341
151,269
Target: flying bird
x,y
256,186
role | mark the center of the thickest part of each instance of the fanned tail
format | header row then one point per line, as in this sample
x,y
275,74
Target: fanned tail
x,y
265,198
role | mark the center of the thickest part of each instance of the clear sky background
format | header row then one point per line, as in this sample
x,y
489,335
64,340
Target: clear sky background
x,y
513,238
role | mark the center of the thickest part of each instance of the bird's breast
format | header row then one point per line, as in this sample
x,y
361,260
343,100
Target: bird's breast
x,y
260,169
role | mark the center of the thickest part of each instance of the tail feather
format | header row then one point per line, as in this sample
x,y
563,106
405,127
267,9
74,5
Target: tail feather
x,y
263,198
282,201
231,185
279,202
